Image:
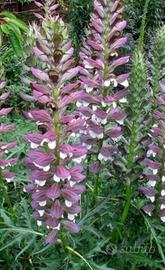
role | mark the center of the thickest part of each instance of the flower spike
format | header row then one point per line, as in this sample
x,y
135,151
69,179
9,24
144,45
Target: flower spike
x,y
104,89
55,163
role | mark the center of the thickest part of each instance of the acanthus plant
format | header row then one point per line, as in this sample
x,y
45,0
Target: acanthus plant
x,y
55,162
154,164
6,161
103,83
131,159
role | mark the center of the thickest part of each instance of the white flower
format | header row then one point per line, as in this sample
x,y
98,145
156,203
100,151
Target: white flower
x,y
72,183
96,135
163,219
117,139
152,199
57,227
114,54
38,123
104,104
125,83
62,155
68,203
163,192
154,171
41,212
79,159
78,104
33,145
71,216
123,100
94,108
88,66
45,169
39,223
51,144
56,178
151,183
120,122
88,89
98,120
162,206
43,203
9,180
151,153
40,183
155,126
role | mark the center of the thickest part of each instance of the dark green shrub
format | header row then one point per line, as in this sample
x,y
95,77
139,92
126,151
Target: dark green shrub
x,y
134,13
79,16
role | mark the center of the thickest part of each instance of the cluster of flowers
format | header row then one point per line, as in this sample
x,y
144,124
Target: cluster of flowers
x,y
5,147
54,162
155,161
104,91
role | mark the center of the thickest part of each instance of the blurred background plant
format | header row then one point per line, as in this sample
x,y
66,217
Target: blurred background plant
x,y
24,1
136,10
12,28
78,18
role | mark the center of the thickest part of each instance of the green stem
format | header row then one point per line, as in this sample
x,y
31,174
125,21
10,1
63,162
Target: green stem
x,y
85,195
96,189
143,26
127,204
4,191
57,128
130,176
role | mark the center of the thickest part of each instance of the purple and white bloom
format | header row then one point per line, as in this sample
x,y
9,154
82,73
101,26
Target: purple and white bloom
x,y
154,165
5,147
104,91
54,162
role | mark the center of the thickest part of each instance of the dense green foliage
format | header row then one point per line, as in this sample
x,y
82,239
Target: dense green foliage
x,y
135,13
24,1
12,27
79,16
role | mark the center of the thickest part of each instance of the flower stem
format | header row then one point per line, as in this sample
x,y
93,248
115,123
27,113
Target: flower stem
x,y
4,191
127,203
96,189
130,166
85,196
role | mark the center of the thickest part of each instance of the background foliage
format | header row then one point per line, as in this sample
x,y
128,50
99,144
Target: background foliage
x,y
78,17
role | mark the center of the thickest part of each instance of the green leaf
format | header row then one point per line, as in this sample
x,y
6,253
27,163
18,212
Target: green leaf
x,y
18,23
15,43
6,218
12,242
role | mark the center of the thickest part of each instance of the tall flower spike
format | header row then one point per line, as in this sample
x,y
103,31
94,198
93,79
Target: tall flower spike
x,y
55,163
104,89
154,171
5,147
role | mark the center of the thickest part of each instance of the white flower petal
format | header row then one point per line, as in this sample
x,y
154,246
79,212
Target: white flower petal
x,y
41,212
39,223
43,203
68,203
40,183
